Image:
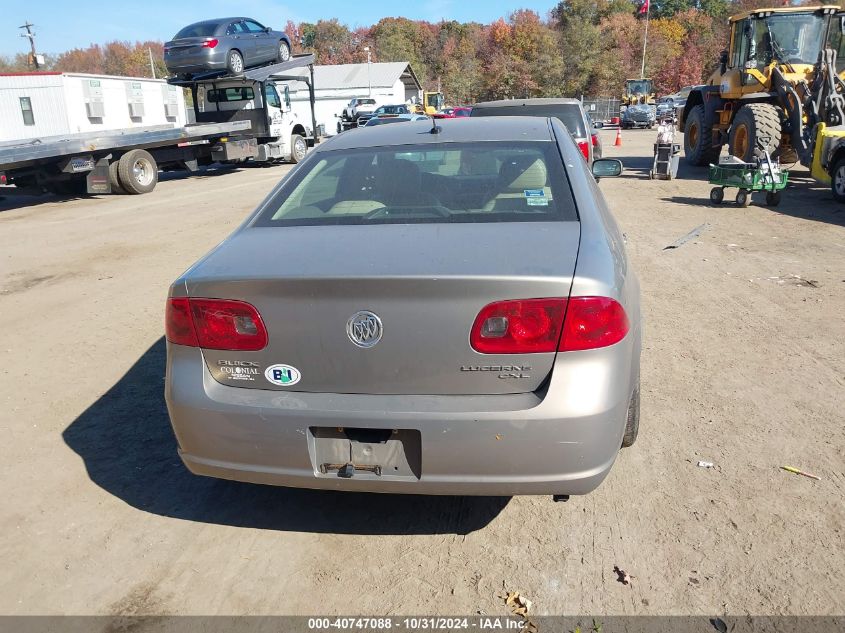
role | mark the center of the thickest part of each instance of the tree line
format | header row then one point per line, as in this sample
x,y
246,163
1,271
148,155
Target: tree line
x,y
577,48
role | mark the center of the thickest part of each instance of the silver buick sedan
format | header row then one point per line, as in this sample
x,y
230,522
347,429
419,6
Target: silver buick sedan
x,y
415,309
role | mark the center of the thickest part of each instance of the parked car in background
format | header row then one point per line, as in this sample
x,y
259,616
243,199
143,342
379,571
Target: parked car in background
x,y
569,111
357,107
384,110
666,109
639,115
671,105
231,44
458,112
595,137
461,319
394,118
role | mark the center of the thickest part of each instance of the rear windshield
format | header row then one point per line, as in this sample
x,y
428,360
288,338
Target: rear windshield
x,y
366,101
392,109
383,121
222,95
568,113
204,29
433,183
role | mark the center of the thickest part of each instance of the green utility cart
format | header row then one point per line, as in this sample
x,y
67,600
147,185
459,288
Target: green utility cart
x,y
764,175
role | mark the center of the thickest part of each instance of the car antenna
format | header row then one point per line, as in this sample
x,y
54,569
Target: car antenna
x,y
434,128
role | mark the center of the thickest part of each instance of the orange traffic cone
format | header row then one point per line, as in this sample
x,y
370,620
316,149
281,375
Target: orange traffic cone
x,y
618,142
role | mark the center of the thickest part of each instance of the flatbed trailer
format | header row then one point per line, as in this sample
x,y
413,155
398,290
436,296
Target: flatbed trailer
x,y
128,160
66,163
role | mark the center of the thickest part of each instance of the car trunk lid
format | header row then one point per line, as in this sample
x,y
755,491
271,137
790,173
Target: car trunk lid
x,y
186,43
426,283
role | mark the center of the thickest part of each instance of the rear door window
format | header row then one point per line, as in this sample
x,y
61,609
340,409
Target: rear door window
x,y
236,28
568,113
431,183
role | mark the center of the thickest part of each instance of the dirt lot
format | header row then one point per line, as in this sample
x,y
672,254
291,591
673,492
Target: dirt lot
x,y
743,366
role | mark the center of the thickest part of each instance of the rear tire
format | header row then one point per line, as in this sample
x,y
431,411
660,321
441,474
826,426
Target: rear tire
x,y
752,122
773,198
235,62
137,171
698,139
837,180
743,198
632,424
283,53
298,148
114,178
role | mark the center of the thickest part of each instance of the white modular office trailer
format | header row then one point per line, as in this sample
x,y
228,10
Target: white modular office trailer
x,y
37,105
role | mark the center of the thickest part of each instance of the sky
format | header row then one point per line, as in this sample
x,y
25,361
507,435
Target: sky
x,y
61,25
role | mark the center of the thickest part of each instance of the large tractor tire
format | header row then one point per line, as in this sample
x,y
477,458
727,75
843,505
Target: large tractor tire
x,y
752,122
698,139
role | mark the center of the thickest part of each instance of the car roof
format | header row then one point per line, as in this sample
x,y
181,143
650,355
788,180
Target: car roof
x,y
527,102
221,20
516,128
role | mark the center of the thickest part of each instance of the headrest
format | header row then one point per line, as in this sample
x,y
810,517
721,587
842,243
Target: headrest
x,y
521,173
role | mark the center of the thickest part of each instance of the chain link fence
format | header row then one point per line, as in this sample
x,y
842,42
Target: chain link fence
x,y
602,109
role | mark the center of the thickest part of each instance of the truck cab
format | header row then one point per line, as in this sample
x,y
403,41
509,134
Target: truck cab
x,y
276,131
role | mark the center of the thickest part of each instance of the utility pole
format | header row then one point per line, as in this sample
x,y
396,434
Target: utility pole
x,y
645,39
152,65
33,56
369,75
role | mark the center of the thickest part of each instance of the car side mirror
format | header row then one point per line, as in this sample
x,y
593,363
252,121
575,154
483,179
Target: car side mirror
x,y
607,167
598,125
267,29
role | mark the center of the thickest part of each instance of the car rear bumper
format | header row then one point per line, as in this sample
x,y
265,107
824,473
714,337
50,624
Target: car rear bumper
x,y
561,442
196,61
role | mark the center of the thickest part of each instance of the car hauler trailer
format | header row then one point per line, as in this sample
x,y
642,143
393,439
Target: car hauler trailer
x,y
128,160
260,96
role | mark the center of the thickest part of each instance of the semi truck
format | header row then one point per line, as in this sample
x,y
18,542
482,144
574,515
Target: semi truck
x,y
245,117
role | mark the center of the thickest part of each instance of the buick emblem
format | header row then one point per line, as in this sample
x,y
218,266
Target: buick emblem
x,y
364,329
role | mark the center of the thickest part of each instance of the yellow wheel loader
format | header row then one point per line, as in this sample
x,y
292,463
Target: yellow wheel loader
x,y
777,81
828,137
432,102
639,91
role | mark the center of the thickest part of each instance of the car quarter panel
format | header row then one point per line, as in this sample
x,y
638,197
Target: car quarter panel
x,y
602,268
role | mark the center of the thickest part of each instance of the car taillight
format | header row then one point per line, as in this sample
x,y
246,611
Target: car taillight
x,y
527,326
533,326
585,149
210,43
215,324
592,322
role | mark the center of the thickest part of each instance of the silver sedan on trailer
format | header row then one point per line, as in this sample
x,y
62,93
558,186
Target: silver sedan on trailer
x,y
415,309
232,44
